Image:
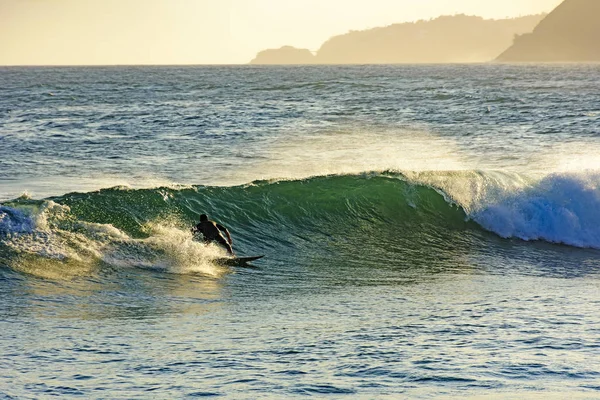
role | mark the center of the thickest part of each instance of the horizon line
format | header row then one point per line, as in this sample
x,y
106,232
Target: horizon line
x,y
491,62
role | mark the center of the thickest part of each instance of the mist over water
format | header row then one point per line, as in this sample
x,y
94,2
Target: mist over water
x,y
232,125
428,231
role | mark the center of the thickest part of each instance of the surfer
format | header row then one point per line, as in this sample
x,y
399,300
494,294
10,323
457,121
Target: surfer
x,y
213,232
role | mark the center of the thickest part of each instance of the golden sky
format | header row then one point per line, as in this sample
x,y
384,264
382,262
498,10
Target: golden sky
x,y
72,32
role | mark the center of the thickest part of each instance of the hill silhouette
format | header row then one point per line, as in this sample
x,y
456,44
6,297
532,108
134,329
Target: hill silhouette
x,y
284,55
447,39
570,33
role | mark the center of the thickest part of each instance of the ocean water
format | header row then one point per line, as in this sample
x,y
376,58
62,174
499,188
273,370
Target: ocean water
x,y
429,232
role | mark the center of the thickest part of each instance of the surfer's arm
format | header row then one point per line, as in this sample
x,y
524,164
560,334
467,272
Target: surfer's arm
x,y
224,230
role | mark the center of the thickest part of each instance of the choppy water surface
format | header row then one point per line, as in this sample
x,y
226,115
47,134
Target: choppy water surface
x,y
429,231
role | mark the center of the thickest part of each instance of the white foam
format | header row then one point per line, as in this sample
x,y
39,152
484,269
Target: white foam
x,y
560,208
169,247
43,238
15,221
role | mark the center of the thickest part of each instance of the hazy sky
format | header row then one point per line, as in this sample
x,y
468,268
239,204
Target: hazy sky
x,y
205,31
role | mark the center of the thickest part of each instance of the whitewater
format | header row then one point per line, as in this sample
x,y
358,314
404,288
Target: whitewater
x,y
429,231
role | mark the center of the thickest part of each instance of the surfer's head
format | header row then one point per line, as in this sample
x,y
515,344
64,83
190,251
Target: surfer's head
x,y
203,218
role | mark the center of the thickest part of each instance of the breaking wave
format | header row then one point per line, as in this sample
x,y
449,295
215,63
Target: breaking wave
x,y
382,214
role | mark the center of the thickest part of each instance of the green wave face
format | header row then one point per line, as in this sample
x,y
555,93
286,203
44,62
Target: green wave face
x,y
339,203
365,209
368,220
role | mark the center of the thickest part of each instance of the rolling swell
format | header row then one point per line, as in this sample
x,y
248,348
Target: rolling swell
x,y
373,220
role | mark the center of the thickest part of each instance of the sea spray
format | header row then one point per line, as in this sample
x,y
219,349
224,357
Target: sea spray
x,y
44,238
169,247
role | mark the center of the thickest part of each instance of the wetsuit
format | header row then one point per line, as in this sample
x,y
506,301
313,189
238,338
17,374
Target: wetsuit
x,y
212,233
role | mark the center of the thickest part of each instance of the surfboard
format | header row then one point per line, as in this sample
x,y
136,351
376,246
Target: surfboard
x,y
237,261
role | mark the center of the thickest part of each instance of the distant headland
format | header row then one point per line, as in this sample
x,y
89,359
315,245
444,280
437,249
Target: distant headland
x,y
570,33
284,55
447,39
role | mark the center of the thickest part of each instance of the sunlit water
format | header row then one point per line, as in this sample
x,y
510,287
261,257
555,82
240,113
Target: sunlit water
x,y
429,231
